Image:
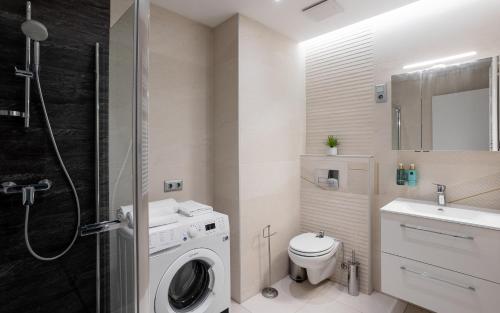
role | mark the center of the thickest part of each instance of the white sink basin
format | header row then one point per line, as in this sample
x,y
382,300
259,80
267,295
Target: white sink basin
x,y
453,213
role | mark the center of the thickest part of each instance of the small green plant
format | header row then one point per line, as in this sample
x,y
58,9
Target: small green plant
x,y
332,142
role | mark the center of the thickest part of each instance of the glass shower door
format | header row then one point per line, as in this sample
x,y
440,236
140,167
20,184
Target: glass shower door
x,y
117,283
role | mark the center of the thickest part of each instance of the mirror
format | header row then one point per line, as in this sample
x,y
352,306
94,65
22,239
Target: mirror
x,y
451,107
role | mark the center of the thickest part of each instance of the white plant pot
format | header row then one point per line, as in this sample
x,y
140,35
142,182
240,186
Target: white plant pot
x,y
332,151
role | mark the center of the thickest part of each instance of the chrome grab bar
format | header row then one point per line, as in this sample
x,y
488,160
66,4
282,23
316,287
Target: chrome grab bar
x,y
100,227
428,276
436,232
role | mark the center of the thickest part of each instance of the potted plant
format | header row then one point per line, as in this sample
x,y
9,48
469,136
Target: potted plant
x,y
332,144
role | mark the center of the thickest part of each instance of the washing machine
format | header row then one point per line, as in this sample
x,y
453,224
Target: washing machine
x,y
189,265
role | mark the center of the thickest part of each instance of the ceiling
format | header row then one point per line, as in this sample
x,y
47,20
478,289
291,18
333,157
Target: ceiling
x,y
284,16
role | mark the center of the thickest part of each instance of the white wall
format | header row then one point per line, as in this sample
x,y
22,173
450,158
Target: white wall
x,y
181,105
226,169
271,131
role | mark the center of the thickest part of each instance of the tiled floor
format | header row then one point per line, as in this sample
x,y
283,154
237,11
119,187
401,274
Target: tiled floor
x,y
326,298
415,309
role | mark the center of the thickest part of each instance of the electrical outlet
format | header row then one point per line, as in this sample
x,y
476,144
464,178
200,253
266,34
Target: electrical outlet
x,y
173,185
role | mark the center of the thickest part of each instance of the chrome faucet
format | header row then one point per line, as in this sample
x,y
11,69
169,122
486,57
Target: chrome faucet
x,y
321,234
440,194
27,191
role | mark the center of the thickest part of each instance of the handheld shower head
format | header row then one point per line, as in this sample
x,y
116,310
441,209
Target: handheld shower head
x,y
35,30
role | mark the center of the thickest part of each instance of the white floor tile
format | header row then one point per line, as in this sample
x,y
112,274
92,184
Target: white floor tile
x,y
414,309
328,294
292,297
373,303
333,307
327,297
237,308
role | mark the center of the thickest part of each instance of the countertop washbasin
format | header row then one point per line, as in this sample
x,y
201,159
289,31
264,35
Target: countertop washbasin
x,y
479,217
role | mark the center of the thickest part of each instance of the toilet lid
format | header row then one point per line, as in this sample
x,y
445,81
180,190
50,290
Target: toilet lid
x,y
308,243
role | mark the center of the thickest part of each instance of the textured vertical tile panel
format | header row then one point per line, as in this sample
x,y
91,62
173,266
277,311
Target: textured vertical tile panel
x,y
340,75
343,214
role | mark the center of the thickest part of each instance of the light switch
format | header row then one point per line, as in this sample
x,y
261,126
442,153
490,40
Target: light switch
x,y
381,93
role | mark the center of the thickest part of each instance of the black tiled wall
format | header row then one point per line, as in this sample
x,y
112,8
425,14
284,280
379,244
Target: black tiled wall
x,y
67,75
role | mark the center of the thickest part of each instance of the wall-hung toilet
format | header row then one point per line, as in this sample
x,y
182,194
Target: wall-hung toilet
x,y
316,253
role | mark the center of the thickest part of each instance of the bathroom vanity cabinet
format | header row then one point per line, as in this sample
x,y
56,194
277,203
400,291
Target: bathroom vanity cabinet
x,y
446,259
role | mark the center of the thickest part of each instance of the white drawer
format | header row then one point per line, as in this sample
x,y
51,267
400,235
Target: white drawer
x,y
438,289
470,250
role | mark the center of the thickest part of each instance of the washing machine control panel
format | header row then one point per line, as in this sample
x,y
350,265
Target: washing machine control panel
x,y
188,228
207,227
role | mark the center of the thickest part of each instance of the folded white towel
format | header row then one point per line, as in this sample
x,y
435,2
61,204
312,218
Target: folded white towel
x,y
160,213
129,218
121,213
162,207
192,208
163,220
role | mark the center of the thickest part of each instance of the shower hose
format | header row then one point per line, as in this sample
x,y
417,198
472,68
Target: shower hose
x,y
68,177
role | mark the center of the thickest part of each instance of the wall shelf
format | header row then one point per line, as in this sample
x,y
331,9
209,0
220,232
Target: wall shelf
x,y
11,113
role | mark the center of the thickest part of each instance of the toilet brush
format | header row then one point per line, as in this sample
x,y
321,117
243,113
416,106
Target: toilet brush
x,y
269,292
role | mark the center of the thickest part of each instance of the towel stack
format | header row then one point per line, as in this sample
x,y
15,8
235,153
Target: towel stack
x,y
160,213
192,208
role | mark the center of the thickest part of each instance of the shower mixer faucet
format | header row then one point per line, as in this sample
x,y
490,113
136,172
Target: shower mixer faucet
x,y
28,191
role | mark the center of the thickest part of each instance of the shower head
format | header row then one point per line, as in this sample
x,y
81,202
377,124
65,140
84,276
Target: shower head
x,y
35,30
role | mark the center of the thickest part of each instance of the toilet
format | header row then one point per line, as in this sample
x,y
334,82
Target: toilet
x,y
316,253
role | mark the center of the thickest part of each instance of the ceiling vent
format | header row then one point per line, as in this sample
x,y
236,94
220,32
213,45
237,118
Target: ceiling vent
x,y
323,9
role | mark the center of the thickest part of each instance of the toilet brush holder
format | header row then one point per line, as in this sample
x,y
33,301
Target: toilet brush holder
x,y
353,276
269,292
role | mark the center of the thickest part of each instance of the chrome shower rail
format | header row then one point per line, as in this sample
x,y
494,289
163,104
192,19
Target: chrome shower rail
x,y
27,80
97,180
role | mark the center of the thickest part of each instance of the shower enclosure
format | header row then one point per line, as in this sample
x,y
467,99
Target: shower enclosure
x,y
73,119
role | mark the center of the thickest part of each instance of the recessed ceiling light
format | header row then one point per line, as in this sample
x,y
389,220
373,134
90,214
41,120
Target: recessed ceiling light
x,y
440,60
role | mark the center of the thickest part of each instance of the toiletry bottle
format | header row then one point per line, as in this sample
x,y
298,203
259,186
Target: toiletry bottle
x,y
400,175
412,176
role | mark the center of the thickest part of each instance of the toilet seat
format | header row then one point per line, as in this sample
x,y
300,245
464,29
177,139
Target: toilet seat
x,y
310,255
310,245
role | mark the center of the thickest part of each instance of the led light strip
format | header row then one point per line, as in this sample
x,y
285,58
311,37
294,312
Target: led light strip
x,y
440,61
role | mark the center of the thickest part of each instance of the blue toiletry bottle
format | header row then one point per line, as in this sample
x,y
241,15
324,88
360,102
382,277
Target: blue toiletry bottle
x,y
412,176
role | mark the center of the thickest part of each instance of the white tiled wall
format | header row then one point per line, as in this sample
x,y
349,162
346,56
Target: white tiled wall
x,y
181,106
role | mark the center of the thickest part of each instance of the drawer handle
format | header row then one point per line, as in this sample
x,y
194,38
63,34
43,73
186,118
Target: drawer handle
x,y
428,276
436,232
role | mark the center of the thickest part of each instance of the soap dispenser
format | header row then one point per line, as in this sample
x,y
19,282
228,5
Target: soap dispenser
x,y
400,175
412,176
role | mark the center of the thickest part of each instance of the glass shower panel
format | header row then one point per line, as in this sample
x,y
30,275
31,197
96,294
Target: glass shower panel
x,y
120,244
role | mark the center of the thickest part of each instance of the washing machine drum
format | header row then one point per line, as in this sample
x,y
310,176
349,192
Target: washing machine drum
x,y
191,283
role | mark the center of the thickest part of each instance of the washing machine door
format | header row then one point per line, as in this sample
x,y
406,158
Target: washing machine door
x,y
191,283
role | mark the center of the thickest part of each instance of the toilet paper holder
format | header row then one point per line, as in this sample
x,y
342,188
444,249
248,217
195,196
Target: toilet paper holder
x,y
269,292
